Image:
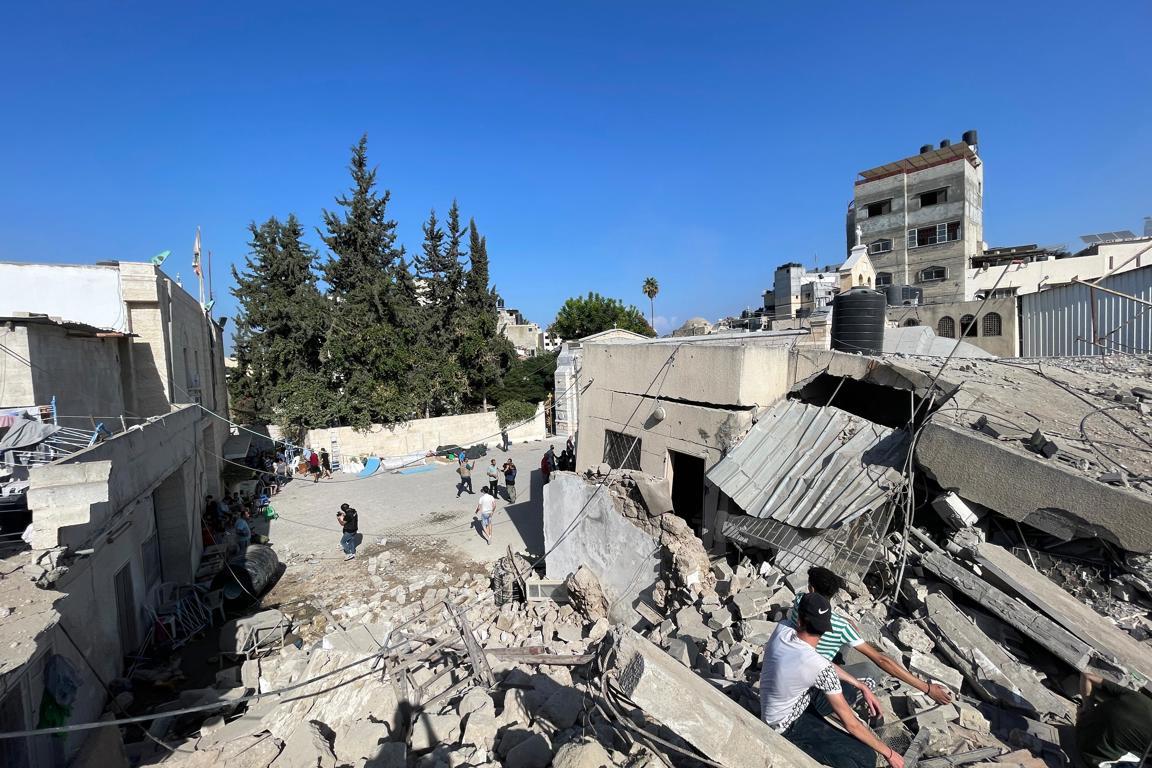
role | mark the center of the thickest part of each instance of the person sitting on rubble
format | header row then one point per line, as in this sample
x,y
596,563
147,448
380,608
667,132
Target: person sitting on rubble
x,y
824,582
799,688
1113,725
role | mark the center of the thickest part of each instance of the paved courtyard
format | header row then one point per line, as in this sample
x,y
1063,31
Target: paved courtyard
x,y
416,508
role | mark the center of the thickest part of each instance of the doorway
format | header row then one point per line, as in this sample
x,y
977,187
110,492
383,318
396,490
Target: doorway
x,y
688,489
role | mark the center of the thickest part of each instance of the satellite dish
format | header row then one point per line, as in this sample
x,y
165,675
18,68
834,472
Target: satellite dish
x,y
209,305
158,259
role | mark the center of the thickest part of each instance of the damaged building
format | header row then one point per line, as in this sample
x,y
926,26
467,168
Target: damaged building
x,y
105,459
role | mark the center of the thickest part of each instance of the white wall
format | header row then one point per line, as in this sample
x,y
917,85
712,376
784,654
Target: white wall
x,y
81,294
1026,277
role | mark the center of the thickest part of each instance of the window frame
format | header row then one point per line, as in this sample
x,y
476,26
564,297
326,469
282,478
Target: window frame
x,y
951,327
992,324
939,236
872,251
921,276
618,446
968,327
883,279
884,204
942,192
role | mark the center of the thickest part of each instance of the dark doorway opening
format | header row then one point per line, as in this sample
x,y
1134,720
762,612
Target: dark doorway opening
x,y
883,405
688,489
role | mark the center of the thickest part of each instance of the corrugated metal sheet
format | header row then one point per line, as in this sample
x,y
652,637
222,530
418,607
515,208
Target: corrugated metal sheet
x,y
1059,321
811,467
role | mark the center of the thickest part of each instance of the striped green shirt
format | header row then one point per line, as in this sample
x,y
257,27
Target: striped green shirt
x,y
843,633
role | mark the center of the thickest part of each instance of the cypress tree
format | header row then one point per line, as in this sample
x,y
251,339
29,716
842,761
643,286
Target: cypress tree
x,y
279,333
374,312
484,352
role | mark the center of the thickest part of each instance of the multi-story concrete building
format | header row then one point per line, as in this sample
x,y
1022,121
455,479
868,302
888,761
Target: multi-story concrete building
x,y
922,218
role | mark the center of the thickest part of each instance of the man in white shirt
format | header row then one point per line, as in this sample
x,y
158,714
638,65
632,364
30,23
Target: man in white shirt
x,y
792,672
484,508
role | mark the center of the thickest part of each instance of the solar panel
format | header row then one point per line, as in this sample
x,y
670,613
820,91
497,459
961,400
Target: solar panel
x,y
1126,234
1091,239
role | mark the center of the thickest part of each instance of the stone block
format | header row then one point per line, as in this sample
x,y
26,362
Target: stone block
x,y
757,631
910,636
929,668
360,740
306,747
533,752
598,630
684,651
563,708
751,603
690,624
430,730
585,753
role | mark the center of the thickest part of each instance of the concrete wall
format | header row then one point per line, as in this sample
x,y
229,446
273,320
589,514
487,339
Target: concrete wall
x,y
82,372
624,558
421,435
1007,344
81,294
1029,278
965,204
708,395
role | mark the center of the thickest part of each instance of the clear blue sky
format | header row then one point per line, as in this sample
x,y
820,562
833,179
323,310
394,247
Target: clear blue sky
x,y
596,143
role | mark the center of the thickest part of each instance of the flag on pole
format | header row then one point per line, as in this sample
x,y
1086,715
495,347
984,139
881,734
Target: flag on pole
x,y
196,254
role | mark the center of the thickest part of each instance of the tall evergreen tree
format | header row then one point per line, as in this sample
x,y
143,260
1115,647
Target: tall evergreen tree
x,y
484,352
374,305
279,330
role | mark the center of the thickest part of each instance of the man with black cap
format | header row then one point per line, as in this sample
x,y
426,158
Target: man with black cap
x,y
792,674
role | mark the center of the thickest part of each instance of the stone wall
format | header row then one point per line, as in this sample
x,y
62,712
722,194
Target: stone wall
x,y
421,435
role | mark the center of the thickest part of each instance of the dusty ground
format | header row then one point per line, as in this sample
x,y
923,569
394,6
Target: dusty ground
x,y
416,533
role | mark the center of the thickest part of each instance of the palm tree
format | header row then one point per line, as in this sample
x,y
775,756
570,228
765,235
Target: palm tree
x,y
651,288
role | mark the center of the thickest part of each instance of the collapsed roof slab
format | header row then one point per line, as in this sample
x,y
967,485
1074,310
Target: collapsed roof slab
x,y
807,364
1030,489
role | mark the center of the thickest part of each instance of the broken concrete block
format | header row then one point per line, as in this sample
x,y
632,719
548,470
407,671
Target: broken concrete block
x,y
911,636
563,708
971,719
360,740
928,667
598,630
390,754
474,700
585,753
306,747
430,730
480,729
751,603
695,711
586,594
684,651
533,752
757,631
689,623
569,633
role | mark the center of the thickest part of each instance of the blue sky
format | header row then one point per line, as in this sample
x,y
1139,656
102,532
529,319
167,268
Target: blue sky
x,y
596,143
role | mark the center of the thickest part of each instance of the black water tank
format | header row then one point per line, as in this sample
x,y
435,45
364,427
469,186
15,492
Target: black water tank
x,y
970,138
249,574
925,149
945,143
858,318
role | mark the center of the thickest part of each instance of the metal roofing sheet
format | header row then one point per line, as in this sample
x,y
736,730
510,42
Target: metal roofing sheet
x,y
811,467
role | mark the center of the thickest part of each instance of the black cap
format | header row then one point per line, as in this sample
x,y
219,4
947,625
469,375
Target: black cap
x,y
344,507
816,613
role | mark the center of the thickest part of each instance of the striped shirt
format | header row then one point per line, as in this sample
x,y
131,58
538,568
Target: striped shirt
x,y
843,633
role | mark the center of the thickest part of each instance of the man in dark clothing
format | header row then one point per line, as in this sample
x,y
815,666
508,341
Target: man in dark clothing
x,y
325,463
1116,731
465,472
350,523
510,480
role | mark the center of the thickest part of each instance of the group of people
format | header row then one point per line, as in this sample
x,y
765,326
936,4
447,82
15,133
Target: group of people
x,y
233,513
565,462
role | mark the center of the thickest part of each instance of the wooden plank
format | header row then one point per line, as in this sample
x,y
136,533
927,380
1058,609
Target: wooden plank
x,y
1066,646
537,654
962,758
1076,617
916,749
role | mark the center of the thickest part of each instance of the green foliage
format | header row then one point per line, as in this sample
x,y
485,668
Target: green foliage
x,y
390,340
280,329
528,380
585,315
514,412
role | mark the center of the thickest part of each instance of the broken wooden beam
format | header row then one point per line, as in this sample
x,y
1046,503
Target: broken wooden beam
x,y
962,758
538,654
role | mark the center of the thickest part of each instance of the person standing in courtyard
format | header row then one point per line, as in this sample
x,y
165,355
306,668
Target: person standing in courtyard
x,y
314,467
349,523
493,479
325,464
510,480
465,472
484,509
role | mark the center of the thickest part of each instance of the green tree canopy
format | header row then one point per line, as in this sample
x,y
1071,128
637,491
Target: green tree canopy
x,y
280,330
529,380
584,315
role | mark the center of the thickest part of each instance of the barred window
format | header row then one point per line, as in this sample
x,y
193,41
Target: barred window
x,y
621,451
946,328
992,324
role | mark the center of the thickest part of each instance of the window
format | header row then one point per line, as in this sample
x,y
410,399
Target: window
x,y
880,246
150,556
883,278
968,326
933,274
946,328
935,197
879,208
911,322
621,451
992,324
937,233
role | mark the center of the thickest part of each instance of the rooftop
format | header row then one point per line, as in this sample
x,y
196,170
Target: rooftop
x,y
32,611
948,154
